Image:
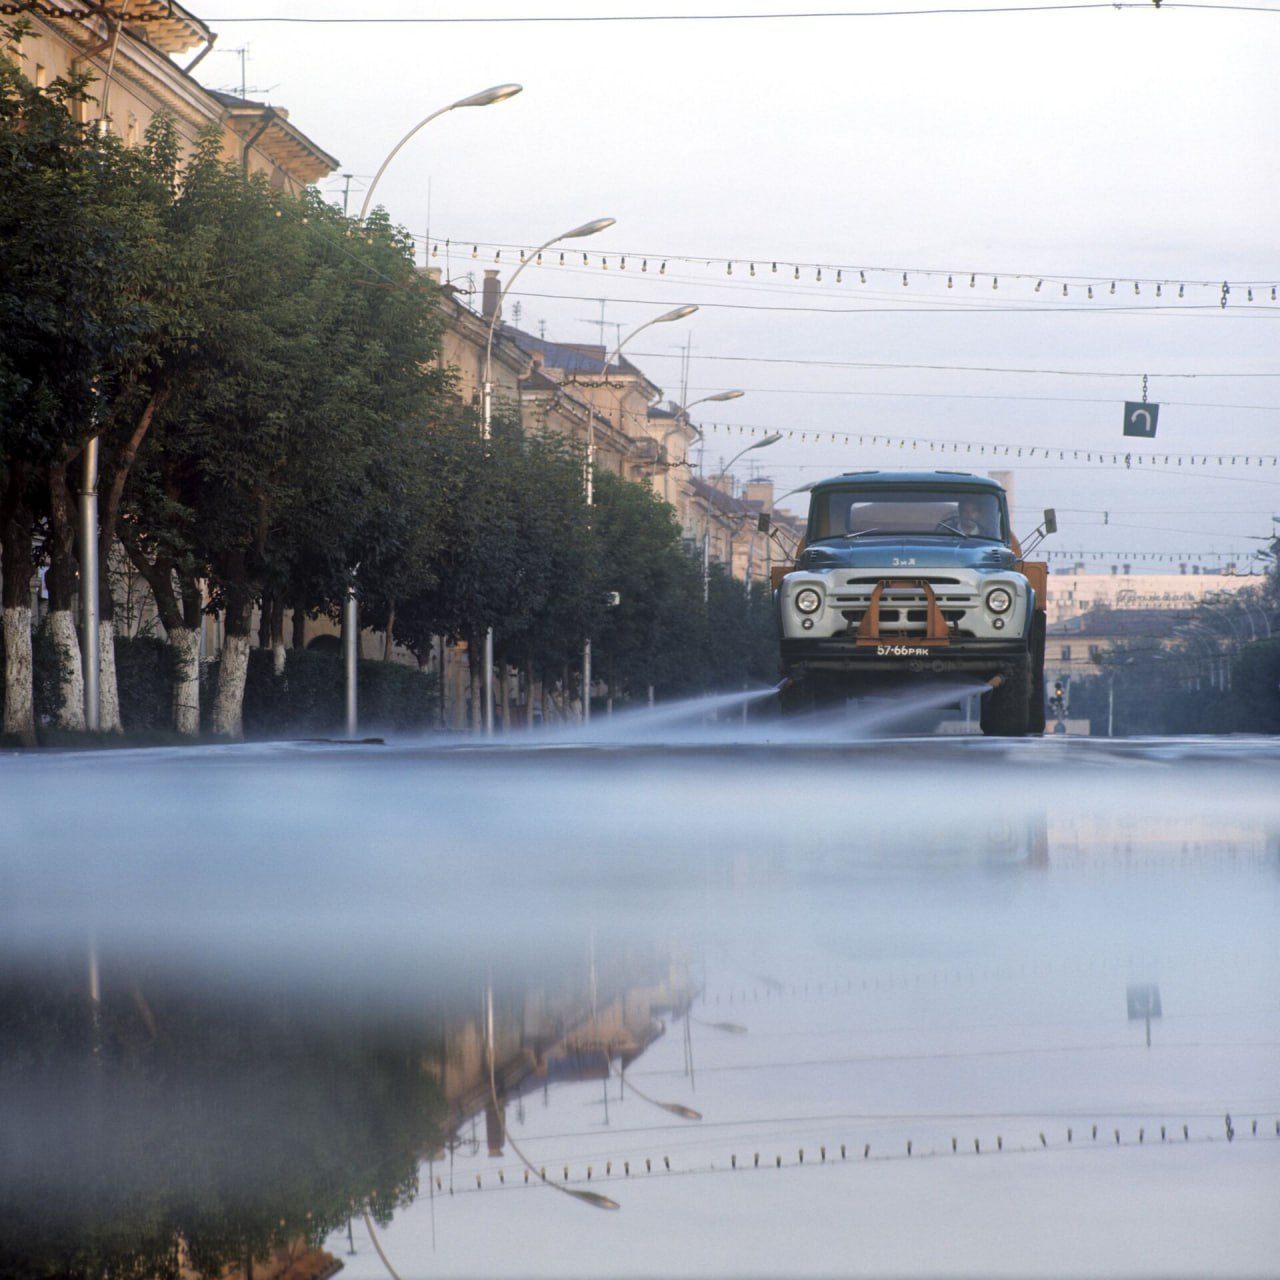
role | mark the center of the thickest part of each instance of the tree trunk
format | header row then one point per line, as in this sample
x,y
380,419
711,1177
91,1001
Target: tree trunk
x,y
15,572
389,643
228,701
66,647
61,581
108,519
108,689
185,643
19,685
299,640
277,637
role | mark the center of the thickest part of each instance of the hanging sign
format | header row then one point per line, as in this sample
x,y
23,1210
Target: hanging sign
x,y
1140,418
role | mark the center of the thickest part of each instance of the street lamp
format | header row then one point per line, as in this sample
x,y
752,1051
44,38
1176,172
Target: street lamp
x,y
772,438
499,93
676,313
486,394
350,641
682,420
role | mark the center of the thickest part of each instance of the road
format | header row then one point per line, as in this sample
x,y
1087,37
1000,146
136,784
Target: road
x,y
910,960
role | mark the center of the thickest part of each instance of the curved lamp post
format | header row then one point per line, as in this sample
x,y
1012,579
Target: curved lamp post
x,y
351,628
684,413
676,313
772,438
499,93
486,395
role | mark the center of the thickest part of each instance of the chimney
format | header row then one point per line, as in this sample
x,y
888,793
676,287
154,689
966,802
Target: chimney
x,y
435,274
491,294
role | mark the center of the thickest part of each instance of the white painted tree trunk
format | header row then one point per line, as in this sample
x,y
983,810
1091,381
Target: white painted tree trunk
x,y
228,702
108,689
186,681
277,656
19,693
66,646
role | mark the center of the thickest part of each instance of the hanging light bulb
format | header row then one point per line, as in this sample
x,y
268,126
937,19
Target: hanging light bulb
x,y
995,282
475,250
1181,289
839,277
728,269
819,277
1113,286
753,270
1038,284
948,282
973,280
1159,291
644,264
1064,290
796,274
904,279
862,277
1091,292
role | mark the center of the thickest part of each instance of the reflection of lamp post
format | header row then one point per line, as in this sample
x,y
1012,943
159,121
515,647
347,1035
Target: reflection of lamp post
x,y
677,313
499,93
587,229
593,1198
772,438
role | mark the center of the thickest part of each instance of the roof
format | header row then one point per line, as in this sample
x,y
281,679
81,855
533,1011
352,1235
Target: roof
x,y
960,478
571,357
1131,623
286,146
165,26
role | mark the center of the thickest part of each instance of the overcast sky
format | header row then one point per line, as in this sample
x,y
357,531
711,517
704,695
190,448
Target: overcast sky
x,y
1077,146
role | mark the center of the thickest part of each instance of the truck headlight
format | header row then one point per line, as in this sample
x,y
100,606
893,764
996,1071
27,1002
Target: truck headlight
x,y
999,600
807,600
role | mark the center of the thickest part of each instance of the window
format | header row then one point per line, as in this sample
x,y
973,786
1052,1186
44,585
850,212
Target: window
x,y
1066,653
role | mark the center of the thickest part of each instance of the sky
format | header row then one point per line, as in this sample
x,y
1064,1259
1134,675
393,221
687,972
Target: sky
x,y
947,172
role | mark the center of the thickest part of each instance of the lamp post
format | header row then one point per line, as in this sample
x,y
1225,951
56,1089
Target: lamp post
x,y
499,93
350,640
677,313
682,419
486,395
772,438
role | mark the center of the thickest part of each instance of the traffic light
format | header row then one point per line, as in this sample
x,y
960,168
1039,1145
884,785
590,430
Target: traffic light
x,y
1058,702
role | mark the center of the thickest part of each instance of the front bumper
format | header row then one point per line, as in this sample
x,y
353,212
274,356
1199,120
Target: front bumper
x,y
842,654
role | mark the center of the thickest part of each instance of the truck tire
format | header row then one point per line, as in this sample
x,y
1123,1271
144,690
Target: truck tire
x,y
1006,710
1038,692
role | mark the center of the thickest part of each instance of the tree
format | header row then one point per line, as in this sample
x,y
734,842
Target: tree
x,y
77,236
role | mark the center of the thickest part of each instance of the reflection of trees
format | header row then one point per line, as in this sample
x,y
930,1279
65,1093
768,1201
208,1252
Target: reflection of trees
x,y
165,1126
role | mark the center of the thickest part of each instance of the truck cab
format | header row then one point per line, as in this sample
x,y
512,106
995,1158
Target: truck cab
x,y
907,576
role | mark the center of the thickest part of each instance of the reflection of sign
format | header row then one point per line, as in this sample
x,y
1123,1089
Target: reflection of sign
x,y
1140,418
1144,1001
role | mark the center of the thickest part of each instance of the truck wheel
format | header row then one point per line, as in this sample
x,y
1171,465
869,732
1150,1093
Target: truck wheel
x,y
1006,710
1037,717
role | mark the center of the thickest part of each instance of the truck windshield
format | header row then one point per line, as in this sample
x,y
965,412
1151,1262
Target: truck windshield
x,y
851,513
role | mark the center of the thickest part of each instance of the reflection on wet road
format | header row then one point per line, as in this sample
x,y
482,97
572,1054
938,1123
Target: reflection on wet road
x,y
896,980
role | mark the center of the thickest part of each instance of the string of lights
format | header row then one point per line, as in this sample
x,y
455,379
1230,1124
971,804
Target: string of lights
x,y
545,19
1221,292
995,450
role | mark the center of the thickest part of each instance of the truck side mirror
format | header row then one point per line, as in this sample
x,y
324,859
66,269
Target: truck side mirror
x,y
1050,520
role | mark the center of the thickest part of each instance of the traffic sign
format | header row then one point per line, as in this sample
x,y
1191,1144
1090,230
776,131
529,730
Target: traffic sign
x,y
1140,418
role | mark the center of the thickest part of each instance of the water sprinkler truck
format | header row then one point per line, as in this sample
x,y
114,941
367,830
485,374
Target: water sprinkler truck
x,y
907,576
